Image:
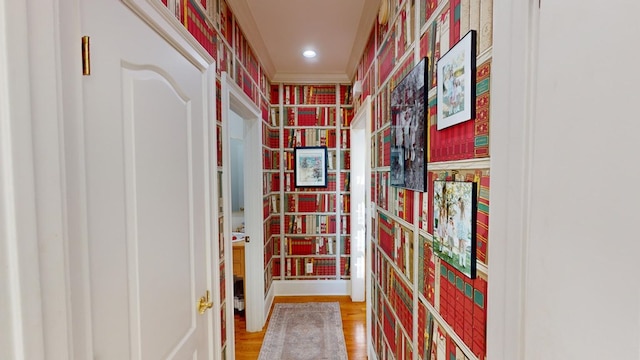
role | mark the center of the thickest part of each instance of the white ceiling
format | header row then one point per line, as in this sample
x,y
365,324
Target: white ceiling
x,y
279,31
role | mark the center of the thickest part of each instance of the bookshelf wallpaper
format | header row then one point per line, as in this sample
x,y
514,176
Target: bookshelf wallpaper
x,y
312,242
411,286
270,190
422,308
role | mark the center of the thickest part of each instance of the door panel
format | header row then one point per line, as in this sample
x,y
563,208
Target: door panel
x,y
159,192
146,125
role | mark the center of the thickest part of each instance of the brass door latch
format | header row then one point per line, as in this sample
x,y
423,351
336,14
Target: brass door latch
x,y
204,303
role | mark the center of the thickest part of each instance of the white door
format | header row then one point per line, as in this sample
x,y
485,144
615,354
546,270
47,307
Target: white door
x,y
145,147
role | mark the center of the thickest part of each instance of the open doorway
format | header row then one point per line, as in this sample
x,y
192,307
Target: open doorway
x,y
242,206
238,235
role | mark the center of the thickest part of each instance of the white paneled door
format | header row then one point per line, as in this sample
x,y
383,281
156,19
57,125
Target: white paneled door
x,y
145,147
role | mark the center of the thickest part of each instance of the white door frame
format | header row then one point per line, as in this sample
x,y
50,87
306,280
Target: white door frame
x,y
234,99
360,199
361,153
21,305
512,92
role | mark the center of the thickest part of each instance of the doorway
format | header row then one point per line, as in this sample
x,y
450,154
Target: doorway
x,y
238,236
238,108
361,211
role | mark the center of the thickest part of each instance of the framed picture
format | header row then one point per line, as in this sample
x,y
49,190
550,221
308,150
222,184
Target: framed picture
x,y
454,224
409,130
310,167
457,83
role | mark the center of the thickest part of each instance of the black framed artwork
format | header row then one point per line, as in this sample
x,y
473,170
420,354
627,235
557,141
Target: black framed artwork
x,y
409,130
457,83
310,166
454,224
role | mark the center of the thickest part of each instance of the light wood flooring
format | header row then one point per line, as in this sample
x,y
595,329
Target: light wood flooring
x,y
353,323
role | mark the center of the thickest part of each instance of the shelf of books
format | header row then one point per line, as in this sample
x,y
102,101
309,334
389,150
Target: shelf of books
x,y
271,178
314,243
220,219
346,116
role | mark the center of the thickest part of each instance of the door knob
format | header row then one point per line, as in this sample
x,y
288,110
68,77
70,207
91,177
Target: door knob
x,y
204,303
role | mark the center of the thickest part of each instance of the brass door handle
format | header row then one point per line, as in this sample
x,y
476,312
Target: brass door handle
x,y
204,303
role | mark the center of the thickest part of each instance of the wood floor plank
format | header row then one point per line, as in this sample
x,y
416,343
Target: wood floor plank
x,y
353,323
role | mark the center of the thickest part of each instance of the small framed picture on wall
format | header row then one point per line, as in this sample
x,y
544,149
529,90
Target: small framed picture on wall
x,y
457,83
454,224
310,167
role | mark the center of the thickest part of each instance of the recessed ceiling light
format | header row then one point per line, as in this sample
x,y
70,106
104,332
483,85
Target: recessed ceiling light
x,y
309,54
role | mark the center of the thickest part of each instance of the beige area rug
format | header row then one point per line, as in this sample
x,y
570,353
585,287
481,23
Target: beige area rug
x,y
304,331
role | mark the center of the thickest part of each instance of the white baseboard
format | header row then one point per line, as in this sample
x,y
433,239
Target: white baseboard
x,y
371,352
268,302
311,287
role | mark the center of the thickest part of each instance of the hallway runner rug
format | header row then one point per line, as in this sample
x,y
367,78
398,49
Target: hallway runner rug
x,y
304,331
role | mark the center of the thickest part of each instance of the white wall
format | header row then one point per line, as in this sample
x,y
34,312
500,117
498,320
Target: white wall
x,y
564,199
236,146
21,310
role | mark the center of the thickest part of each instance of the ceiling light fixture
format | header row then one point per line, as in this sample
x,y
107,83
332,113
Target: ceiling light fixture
x,y
309,54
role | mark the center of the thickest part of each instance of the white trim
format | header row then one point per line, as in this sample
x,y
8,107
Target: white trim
x,y
234,99
268,302
21,314
214,322
360,192
226,222
312,287
51,194
371,352
514,54
160,18
364,114
254,250
314,79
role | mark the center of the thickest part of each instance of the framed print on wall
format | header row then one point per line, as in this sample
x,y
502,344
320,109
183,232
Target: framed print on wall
x,y
454,224
409,130
457,83
310,166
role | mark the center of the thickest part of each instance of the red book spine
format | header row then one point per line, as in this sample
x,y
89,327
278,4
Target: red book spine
x,y
455,21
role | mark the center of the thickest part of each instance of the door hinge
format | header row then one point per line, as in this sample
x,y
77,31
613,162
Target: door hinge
x,y
86,56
